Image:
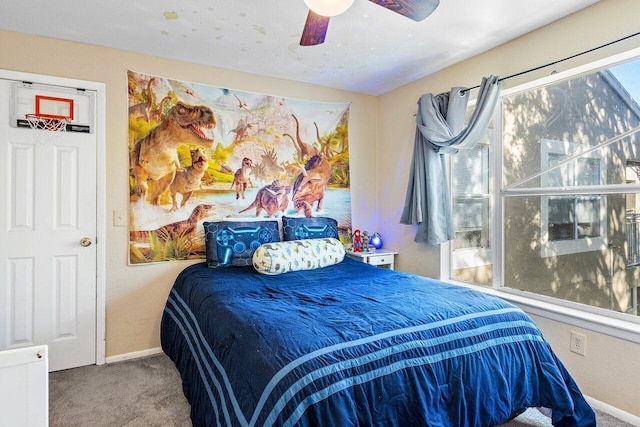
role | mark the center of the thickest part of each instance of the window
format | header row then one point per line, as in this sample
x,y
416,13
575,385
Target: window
x,y
562,222
471,209
632,218
571,223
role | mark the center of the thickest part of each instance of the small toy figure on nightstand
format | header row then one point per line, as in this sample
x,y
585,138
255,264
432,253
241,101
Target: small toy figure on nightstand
x,y
357,241
376,240
365,242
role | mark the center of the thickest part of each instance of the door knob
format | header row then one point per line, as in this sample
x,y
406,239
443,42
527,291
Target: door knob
x,y
85,241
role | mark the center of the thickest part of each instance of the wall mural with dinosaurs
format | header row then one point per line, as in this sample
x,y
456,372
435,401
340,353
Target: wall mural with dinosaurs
x,y
203,153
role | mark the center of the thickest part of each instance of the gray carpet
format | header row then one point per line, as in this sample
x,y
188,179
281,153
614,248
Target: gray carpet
x,y
140,392
148,392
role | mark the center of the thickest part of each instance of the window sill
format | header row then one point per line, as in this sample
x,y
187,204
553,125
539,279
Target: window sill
x,y
612,325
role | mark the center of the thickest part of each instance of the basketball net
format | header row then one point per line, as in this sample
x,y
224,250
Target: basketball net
x,y
45,127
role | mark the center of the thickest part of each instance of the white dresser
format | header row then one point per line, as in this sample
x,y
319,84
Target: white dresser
x,y
24,387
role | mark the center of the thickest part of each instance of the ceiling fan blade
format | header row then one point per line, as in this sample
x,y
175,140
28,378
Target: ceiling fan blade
x,y
413,9
315,29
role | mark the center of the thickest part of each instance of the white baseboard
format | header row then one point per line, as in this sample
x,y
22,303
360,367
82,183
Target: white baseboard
x,y
612,410
134,355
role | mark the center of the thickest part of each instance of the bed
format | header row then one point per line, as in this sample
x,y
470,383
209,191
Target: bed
x,y
355,345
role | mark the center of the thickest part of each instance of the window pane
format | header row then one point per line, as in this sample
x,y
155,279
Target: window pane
x,y
576,118
471,223
593,270
563,237
470,184
632,222
588,217
479,273
588,172
633,239
470,171
559,176
561,218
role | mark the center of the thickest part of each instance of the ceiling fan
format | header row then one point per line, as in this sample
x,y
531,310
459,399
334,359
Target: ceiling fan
x,y
315,29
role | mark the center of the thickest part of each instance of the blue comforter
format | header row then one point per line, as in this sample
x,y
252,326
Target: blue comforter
x,y
356,345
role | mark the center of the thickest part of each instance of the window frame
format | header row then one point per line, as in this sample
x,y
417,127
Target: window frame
x,y
615,324
475,256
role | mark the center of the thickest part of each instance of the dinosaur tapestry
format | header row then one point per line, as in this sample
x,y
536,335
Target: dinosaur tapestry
x,y
203,153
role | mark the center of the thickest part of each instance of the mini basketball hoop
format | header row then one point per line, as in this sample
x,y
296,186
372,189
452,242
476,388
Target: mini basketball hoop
x,y
54,126
51,124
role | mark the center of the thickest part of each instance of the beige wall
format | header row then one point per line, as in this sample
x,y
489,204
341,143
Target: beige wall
x,y
608,372
135,295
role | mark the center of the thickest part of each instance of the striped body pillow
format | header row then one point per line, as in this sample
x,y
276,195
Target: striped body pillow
x,y
295,255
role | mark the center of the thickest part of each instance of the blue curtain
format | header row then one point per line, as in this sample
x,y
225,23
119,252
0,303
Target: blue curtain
x,y
440,130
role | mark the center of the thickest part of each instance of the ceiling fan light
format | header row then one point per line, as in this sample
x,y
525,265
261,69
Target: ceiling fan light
x,y
328,7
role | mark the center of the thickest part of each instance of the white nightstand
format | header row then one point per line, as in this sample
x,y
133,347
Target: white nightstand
x,y
381,257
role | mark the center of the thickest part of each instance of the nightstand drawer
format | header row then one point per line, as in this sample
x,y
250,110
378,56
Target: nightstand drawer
x,y
381,257
381,260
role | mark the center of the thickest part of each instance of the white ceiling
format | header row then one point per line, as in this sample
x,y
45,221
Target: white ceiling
x,y
368,49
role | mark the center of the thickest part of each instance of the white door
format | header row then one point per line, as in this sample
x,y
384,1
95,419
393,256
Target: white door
x,y
47,277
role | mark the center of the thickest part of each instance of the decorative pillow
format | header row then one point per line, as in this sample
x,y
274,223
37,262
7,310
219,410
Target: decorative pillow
x,y
295,255
299,228
233,242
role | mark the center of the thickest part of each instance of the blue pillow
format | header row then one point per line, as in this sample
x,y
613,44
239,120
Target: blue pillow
x,y
299,228
234,242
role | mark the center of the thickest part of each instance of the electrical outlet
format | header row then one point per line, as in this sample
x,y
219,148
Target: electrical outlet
x,y
578,343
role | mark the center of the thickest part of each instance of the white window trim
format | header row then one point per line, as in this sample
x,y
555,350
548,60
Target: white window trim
x,y
565,247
